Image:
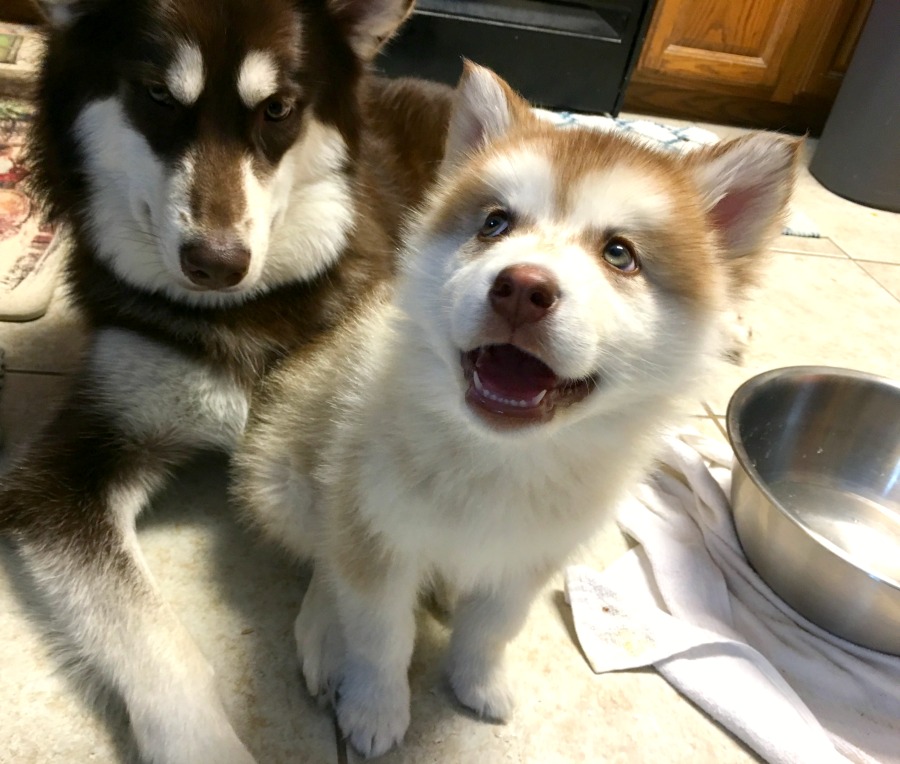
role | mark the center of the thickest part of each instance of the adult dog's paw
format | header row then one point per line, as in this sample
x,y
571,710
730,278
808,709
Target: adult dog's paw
x,y
373,713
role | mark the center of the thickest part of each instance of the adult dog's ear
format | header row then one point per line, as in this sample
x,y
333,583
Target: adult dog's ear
x,y
369,24
485,108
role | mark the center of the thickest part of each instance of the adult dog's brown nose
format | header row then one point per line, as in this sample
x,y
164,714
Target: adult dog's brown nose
x,y
523,294
215,263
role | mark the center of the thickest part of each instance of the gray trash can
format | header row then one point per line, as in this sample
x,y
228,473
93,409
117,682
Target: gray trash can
x,y
858,156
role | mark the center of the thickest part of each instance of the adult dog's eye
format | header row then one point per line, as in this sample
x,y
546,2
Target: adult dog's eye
x,y
619,254
160,93
278,109
495,224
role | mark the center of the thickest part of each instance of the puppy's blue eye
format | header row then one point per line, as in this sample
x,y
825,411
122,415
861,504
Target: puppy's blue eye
x,y
619,254
495,224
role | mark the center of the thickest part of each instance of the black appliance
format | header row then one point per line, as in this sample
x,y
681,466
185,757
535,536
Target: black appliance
x,y
561,55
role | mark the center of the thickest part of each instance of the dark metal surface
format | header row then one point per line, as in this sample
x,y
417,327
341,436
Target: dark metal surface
x,y
574,55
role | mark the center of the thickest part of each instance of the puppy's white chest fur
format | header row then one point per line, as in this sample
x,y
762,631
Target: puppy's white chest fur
x,y
478,509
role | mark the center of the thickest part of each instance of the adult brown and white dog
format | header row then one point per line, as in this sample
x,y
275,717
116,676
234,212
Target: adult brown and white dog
x,y
233,181
563,290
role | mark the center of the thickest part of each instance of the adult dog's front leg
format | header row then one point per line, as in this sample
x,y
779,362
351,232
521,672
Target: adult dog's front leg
x,y
70,501
77,539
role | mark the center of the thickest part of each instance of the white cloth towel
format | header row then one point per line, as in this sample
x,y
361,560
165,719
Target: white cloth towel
x,y
686,601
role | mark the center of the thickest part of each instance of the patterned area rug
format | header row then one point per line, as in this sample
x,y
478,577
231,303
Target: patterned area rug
x,y
20,51
27,262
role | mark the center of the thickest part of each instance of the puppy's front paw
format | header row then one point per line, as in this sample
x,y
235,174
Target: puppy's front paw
x,y
487,693
320,647
372,712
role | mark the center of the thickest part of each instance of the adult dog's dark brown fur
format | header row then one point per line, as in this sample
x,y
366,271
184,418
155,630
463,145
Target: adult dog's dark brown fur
x,y
234,182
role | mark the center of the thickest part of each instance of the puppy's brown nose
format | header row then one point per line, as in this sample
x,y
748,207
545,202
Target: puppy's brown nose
x,y
215,263
523,294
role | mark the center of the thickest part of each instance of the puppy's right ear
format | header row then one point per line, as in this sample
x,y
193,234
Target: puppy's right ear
x,y
484,109
61,13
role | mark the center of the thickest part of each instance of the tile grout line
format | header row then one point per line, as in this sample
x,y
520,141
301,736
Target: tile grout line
x,y
340,742
846,258
715,417
860,264
872,262
826,255
780,246
863,259
38,372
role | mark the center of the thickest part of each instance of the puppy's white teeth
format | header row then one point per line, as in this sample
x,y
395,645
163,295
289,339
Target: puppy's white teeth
x,y
537,398
517,403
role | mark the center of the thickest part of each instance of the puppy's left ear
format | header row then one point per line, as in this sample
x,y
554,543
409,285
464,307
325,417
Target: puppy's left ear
x,y
369,24
745,186
485,108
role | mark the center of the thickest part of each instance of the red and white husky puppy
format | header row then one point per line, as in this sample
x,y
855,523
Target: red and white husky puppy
x,y
233,181
563,289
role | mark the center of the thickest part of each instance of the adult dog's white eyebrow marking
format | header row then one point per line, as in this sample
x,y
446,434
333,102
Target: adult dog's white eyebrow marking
x,y
185,77
257,78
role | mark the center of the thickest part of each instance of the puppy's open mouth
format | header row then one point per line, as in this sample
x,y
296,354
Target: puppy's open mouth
x,y
510,387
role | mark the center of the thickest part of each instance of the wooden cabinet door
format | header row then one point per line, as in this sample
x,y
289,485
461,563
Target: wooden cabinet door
x,y
731,42
766,63
824,50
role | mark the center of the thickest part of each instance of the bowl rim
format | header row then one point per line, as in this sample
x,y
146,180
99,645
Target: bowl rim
x,y
736,403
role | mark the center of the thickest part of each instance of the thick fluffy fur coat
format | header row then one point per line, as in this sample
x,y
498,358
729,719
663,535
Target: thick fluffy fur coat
x,y
562,291
233,183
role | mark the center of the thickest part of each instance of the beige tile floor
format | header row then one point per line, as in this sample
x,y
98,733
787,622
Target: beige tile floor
x,y
834,300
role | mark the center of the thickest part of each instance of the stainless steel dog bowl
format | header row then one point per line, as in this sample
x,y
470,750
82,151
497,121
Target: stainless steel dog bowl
x,y
816,495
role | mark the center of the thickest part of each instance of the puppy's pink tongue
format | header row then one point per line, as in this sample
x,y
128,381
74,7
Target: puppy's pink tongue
x,y
506,372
